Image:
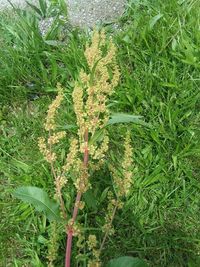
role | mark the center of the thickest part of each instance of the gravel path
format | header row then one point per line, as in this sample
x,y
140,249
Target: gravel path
x,y
5,4
84,13
88,13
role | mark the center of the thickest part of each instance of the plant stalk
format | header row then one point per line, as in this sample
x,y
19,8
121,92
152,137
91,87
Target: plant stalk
x,y
62,205
76,207
110,224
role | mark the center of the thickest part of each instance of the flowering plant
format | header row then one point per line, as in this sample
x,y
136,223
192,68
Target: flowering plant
x,y
86,152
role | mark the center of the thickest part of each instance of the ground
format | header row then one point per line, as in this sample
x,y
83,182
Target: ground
x,y
85,12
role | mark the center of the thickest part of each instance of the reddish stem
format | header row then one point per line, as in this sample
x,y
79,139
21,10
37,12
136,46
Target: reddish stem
x,y
68,249
76,208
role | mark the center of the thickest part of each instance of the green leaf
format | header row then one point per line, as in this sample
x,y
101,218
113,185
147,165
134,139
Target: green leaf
x,y
154,20
125,118
40,200
126,262
20,165
67,127
97,136
63,7
104,194
43,6
90,200
54,42
35,8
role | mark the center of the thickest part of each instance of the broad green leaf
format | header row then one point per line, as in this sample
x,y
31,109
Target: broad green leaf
x,y
39,199
126,262
125,118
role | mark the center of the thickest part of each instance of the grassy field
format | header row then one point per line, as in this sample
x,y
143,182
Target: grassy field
x,y
159,57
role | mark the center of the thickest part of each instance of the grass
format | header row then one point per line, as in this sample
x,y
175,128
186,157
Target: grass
x,y
158,55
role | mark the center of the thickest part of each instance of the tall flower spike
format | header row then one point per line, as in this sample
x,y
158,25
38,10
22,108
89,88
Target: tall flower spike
x,y
50,119
123,180
92,52
48,155
122,183
93,89
92,244
71,157
127,163
53,244
101,85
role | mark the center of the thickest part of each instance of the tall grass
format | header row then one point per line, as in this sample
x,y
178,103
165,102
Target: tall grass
x,y
32,63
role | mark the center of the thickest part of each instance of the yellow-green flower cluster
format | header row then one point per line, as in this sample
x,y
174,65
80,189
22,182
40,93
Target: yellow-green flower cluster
x,y
94,263
127,164
50,119
107,227
122,183
93,89
92,242
50,127
82,183
92,52
46,145
80,205
47,153
100,83
97,166
74,227
71,156
80,241
59,182
55,138
80,244
53,244
123,180
92,245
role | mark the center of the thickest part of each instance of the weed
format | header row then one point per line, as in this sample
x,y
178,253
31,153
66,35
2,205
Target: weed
x,y
158,55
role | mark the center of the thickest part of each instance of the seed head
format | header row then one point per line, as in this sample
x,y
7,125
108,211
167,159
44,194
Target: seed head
x,y
50,119
48,155
92,242
94,87
72,155
55,138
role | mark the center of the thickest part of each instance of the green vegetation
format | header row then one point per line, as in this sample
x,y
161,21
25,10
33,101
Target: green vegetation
x,y
158,54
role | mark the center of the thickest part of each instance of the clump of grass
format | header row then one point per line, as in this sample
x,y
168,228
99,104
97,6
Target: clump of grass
x,y
158,50
31,64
